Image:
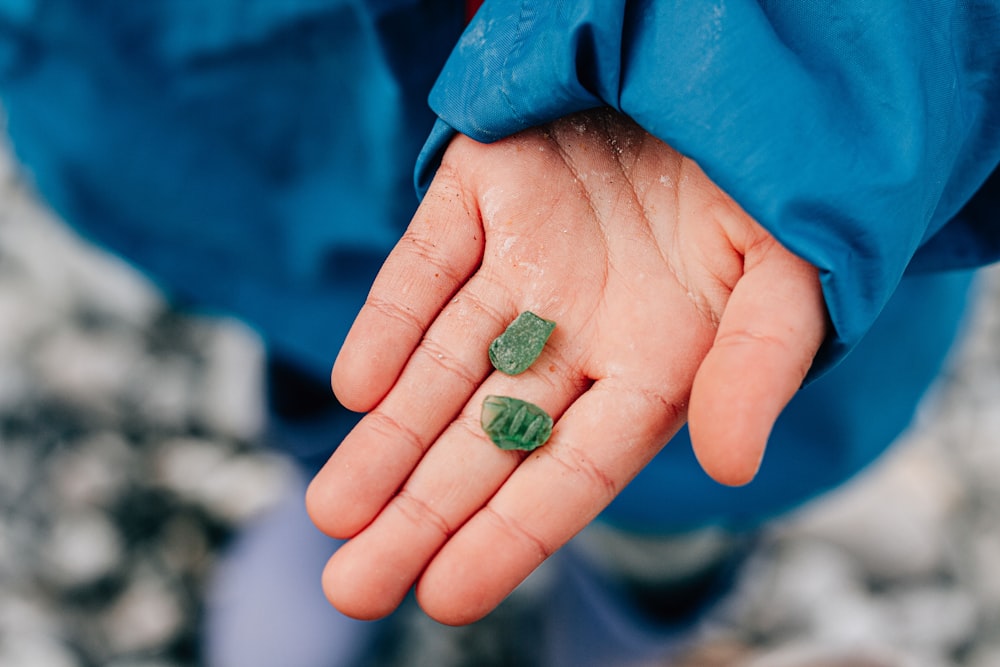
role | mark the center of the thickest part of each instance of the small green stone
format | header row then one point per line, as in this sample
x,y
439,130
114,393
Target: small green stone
x,y
514,350
515,424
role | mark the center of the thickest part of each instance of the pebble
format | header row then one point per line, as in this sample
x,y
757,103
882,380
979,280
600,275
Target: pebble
x,y
984,556
234,487
146,616
934,617
94,471
985,655
90,369
892,520
231,397
36,651
82,547
160,390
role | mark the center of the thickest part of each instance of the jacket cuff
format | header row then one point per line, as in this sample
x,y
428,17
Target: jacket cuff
x,y
852,132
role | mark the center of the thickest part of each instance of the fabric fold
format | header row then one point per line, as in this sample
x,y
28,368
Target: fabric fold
x,y
853,132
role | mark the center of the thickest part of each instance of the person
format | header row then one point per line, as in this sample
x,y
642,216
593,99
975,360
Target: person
x,y
718,203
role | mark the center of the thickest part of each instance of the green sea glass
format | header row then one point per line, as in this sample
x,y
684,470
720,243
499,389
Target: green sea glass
x,y
514,350
515,424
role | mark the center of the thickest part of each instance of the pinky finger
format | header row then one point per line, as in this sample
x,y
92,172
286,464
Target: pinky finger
x,y
441,248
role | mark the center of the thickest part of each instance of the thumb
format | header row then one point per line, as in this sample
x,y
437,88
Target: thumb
x,y
772,326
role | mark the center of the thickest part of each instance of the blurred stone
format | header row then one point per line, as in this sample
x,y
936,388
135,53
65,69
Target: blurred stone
x,y
93,471
723,652
20,542
83,546
931,617
185,464
22,319
35,651
232,487
161,391
805,653
232,396
986,655
15,385
143,662
796,588
246,486
146,616
64,270
184,547
893,518
23,614
88,369
985,556
18,470
980,450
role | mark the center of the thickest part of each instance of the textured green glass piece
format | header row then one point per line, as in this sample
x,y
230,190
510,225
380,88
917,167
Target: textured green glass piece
x,y
515,424
514,350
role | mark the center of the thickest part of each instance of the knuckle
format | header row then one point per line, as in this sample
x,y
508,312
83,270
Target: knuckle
x,y
582,466
750,337
518,532
429,254
397,311
389,427
448,362
422,514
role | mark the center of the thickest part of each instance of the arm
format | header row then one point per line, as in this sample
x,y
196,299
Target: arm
x,y
853,138
853,132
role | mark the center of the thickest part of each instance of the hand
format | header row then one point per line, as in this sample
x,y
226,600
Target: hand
x,y
670,304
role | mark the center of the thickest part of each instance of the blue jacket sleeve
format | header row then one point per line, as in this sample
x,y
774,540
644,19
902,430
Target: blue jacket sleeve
x,y
858,133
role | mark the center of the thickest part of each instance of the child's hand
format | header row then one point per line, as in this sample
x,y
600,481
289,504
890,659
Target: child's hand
x,y
670,304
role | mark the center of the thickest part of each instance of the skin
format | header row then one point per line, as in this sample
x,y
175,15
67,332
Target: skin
x,y
672,305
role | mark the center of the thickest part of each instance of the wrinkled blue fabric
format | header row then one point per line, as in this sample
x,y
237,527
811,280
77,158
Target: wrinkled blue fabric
x,y
252,157
853,131
256,157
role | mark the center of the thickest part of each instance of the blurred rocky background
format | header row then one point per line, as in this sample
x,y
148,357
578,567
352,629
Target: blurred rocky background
x,y
129,453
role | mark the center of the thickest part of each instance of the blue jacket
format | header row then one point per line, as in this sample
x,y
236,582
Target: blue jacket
x,y
255,157
860,134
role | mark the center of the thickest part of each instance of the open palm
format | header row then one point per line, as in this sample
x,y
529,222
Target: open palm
x,y
671,304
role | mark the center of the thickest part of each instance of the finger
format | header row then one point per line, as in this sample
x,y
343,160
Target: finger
x,y
441,248
447,367
457,476
597,447
769,333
